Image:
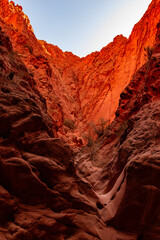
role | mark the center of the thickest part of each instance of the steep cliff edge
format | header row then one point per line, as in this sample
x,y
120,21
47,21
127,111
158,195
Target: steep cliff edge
x,y
51,68
78,91
123,166
40,195
103,75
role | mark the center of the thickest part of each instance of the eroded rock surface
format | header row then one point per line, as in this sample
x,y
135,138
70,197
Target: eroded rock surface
x,y
123,165
110,190
78,91
41,197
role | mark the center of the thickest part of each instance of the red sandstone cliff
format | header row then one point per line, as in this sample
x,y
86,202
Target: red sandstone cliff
x,y
123,166
110,190
76,90
107,191
52,69
103,75
39,190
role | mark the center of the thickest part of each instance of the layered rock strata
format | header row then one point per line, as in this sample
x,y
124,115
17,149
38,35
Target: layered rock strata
x,y
78,91
107,191
48,190
41,197
122,167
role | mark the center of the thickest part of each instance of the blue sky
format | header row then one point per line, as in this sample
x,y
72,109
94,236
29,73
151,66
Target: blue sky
x,y
82,26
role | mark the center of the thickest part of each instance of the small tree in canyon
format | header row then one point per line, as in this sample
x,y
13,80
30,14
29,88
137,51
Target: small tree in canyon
x,y
94,131
99,128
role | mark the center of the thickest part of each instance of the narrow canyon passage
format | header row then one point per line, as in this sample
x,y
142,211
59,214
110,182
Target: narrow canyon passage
x,y
52,187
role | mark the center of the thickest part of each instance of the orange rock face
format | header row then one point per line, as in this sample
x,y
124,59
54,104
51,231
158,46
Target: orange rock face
x,y
49,191
52,69
103,75
123,165
79,90
40,195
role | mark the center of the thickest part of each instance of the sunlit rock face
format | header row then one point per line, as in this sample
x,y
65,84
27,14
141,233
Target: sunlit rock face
x,y
103,75
41,197
51,68
122,166
77,90
49,190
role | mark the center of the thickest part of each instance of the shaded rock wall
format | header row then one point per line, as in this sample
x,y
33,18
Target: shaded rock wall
x,y
50,67
79,90
41,197
109,190
123,165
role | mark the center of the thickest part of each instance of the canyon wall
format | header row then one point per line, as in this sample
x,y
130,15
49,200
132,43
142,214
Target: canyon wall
x,y
41,197
52,191
103,75
79,90
48,191
123,166
51,68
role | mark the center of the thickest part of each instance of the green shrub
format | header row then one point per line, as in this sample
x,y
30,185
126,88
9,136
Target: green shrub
x,y
93,130
88,137
29,48
90,141
149,52
99,128
69,123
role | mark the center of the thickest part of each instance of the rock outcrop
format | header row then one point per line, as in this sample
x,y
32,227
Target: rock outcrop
x,y
51,68
50,191
123,165
103,75
78,91
41,197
